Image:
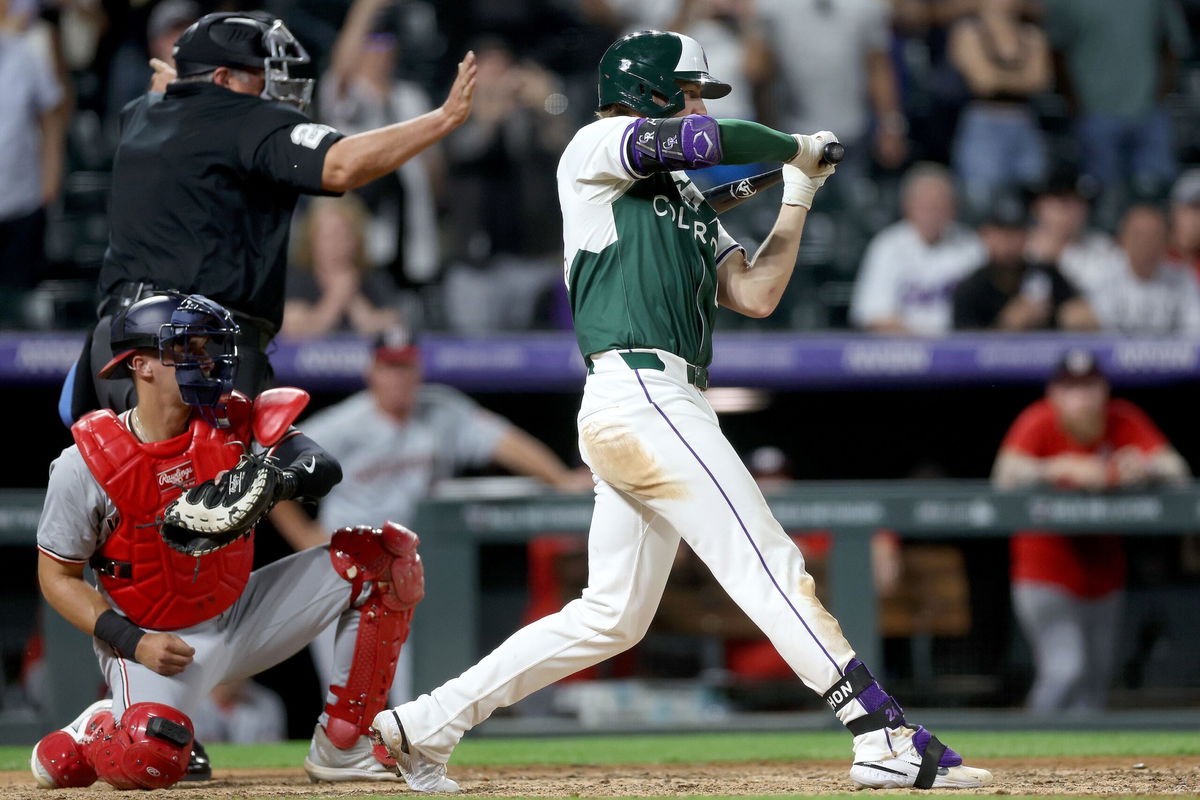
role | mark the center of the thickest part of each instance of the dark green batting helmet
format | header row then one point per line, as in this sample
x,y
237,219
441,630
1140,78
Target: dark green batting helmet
x,y
640,65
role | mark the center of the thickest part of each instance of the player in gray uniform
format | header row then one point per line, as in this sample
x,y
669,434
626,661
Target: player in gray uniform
x,y
647,262
394,440
171,618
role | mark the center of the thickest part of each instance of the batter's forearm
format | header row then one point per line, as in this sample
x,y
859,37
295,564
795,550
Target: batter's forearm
x,y
363,157
756,288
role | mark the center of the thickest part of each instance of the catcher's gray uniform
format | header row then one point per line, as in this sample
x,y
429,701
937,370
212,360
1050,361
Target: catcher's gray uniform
x,y
281,609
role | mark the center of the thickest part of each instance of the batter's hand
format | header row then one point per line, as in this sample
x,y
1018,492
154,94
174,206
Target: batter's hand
x,y
458,102
165,653
810,152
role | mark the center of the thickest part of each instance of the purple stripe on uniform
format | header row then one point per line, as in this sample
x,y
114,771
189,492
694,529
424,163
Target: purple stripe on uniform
x,y
727,251
624,141
738,517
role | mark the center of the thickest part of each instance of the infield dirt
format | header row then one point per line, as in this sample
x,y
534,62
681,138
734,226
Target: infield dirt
x,y
1173,775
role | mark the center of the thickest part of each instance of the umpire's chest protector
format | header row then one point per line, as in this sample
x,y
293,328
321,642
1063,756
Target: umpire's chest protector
x,y
164,589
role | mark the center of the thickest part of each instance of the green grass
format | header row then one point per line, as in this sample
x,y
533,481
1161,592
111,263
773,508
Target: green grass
x,y
712,747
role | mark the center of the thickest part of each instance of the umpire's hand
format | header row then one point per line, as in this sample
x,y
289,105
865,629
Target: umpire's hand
x,y
165,653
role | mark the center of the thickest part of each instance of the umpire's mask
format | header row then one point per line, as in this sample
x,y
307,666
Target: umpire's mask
x,y
253,39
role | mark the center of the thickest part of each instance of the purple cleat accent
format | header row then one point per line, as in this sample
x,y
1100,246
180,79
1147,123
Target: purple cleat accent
x,y
920,741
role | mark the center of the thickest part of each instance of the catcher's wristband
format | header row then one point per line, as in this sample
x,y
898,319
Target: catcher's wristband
x,y
119,632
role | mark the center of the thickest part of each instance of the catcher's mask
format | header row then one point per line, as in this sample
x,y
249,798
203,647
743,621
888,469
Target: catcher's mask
x,y
640,65
189,332
250,39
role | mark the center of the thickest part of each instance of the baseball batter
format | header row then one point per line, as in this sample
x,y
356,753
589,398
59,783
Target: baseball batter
x,y
647,263
161,502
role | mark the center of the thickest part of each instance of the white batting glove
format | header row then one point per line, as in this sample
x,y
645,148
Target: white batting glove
x,y
798,188
805,173
809,153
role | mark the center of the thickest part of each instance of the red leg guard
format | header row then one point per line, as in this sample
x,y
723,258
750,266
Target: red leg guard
x,y
59,763
389,557
148,749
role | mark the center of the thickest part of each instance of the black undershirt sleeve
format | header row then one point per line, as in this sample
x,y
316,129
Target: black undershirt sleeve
x,y
316,471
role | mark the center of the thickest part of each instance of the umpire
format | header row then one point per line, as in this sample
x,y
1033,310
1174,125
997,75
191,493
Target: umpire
x,y
207,175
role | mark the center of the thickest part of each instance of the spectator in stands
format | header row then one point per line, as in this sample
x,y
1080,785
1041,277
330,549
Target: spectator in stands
x,y
360,91
1067,590
1142,291
332,286
1005,62
1118,59
1010,292
395,440
130,72
33,113
1060,233
505,210
832,58
906,283
1185,222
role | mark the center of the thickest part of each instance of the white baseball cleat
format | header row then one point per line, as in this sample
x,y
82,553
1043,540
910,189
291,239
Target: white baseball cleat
x,y
903,770
56,762
421,772
325,762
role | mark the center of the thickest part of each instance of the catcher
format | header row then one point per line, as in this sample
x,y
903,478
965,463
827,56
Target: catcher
x,y
161,501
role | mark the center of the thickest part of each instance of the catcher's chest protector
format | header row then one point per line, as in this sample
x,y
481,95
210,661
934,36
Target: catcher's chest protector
x,y
166,590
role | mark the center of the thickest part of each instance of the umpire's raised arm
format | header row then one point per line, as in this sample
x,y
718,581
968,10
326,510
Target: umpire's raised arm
x,y
360,159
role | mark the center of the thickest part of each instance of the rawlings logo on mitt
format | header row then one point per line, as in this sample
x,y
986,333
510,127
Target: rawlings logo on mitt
x,y
218,512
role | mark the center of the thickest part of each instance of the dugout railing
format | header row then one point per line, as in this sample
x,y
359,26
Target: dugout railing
x,y
453,531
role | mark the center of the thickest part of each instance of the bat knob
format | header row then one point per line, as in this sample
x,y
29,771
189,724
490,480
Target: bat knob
x,y
833,153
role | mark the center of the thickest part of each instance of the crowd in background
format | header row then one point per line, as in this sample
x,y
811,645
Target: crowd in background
x,y
1014,164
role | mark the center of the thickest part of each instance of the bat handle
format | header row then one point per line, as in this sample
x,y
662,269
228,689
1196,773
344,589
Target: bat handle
x,y
833,153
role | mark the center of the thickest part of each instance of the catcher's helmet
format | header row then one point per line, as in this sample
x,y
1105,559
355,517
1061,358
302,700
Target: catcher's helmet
x,y
189,332
250,39
640,65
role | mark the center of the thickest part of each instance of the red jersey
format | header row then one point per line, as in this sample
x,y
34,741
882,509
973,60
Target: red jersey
x,y
1086,566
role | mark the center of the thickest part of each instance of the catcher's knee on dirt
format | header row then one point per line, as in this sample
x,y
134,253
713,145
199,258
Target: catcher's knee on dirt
x,y
148,749
388,558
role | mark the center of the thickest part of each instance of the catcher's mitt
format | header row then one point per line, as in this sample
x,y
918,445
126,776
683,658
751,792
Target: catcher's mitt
x,y
218,512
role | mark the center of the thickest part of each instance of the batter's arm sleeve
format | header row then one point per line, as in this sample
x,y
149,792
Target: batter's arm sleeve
x,y
316,471
745,142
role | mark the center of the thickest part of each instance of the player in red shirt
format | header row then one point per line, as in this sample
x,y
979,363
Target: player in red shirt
x,y
1067,590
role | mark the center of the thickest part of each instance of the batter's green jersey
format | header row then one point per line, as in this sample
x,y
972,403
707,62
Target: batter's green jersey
x,y
641,252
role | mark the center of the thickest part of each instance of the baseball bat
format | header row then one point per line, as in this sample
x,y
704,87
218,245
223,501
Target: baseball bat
x,y
727,195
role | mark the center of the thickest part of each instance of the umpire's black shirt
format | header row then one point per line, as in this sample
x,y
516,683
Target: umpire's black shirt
x,y
204,185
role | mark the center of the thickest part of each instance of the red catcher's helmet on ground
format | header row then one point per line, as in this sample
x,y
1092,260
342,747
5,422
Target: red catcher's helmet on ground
x,y
641,65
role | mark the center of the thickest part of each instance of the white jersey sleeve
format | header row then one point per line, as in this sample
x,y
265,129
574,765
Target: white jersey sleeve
x,y
596,163
78,514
